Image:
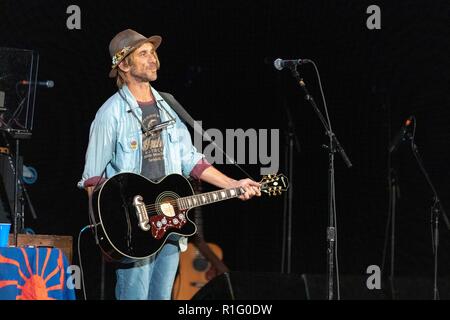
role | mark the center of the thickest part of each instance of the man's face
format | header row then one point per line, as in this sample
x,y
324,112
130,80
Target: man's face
x,y
144,66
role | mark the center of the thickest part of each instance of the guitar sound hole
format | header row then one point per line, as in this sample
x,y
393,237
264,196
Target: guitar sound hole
x,y
200,264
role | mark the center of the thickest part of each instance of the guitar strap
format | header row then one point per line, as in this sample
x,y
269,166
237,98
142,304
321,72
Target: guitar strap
x,y
178,108
184,115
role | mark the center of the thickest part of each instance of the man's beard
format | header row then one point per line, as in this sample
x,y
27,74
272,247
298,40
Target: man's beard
x,y
143,76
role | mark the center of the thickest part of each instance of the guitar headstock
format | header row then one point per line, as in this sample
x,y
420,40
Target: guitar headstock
x,y
274,184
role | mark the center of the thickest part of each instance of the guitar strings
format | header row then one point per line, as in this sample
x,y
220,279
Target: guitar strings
x,y
175,201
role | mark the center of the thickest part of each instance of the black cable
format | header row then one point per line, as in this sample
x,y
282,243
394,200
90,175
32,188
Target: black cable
x,y
80,260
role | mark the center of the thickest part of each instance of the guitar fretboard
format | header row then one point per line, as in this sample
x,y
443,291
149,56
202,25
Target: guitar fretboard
x,y
208,197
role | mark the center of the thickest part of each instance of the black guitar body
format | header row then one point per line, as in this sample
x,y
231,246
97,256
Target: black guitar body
x,y
135,216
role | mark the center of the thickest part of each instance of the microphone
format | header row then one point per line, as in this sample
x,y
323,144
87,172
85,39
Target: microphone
x,y
280,64
47,84
401,135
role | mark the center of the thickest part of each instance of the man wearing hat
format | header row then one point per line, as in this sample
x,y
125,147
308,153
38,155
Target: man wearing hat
x,y
120,141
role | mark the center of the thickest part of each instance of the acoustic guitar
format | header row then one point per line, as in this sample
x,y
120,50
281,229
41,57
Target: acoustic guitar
x,y
133,217
200,263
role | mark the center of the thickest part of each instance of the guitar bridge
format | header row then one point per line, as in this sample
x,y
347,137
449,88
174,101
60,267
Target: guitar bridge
x,y
141,213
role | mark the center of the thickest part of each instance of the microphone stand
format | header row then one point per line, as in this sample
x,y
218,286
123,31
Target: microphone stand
x,y
291,142
333,147
27,197
436,210
394,194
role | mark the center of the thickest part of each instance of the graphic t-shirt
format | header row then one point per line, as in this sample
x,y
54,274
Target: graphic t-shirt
x,y
152,144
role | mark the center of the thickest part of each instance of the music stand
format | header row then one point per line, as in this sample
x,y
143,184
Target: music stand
x,y
18,78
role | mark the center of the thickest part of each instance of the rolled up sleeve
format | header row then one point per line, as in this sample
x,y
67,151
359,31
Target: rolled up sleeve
x,y
189,154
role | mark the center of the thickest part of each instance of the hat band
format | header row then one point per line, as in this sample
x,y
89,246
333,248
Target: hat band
x,y
119,56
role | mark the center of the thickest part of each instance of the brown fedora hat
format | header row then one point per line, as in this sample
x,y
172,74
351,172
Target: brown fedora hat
x,y
126,42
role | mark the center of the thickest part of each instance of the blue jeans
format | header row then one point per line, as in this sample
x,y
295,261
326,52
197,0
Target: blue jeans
x,y
150,279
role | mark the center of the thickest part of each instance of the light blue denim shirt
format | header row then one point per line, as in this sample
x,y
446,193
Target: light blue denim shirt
x,y
115,139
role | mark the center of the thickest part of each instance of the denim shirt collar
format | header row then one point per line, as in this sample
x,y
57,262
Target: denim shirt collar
x,y
132,104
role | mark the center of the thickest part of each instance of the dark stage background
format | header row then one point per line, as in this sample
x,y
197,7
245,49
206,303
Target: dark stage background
x,y
216,58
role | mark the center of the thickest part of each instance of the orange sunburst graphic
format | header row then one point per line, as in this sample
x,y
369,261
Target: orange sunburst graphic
x,y
35,285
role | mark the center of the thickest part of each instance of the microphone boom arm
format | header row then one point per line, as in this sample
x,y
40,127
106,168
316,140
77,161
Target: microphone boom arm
x,y
335,142
332,216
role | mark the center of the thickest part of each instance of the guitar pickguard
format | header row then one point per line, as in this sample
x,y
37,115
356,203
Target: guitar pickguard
x,y
167,209
165,218
161,224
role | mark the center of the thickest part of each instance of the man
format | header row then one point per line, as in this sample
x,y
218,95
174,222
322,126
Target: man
x,y
120,140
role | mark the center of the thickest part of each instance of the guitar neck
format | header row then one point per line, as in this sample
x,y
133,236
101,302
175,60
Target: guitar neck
x,y
201,199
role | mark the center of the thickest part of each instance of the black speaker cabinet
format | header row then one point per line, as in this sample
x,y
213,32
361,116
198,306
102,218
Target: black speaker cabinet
x,y
352,287
253,286
276,286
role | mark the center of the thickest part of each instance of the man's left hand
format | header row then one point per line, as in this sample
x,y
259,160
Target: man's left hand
x,y
251,188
